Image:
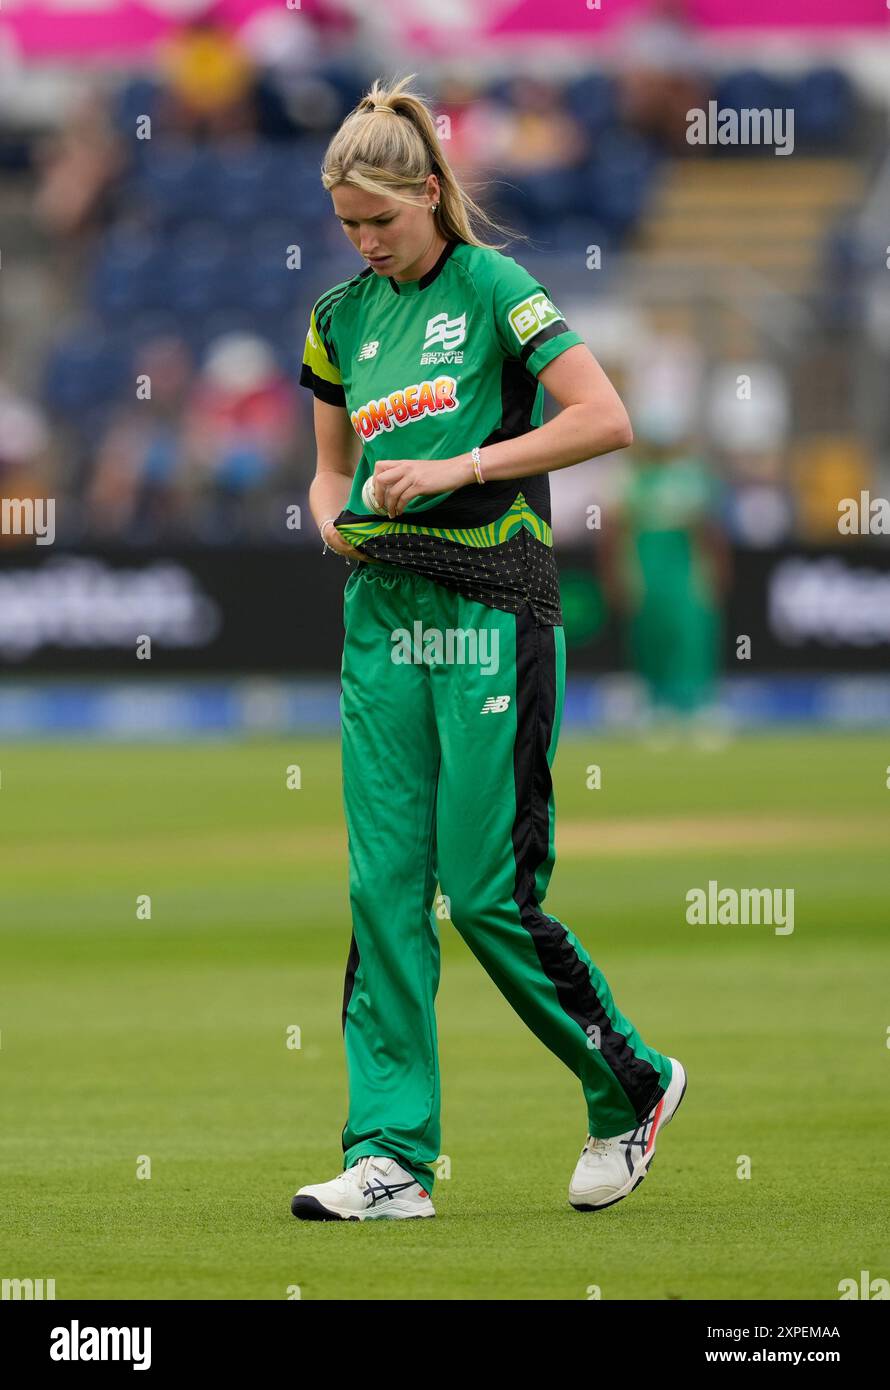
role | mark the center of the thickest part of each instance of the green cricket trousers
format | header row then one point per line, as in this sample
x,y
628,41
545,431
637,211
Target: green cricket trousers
x,y
450,714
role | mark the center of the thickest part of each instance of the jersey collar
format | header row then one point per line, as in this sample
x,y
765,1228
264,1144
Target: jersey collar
x,y
414,286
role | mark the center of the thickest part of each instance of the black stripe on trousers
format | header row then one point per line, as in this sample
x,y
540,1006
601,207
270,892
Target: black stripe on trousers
x,y
352,964
349,982
535,713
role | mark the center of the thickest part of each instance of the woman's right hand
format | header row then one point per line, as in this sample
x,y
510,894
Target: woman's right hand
x,y
336,542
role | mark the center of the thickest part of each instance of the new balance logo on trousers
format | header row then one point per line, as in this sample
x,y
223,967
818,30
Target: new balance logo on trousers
x,y
435,799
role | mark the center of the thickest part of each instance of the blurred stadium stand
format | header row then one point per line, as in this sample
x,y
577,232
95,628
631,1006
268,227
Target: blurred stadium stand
x,y
186,235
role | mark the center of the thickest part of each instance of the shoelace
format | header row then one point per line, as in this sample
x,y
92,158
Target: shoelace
x,y
597,1145
358,1170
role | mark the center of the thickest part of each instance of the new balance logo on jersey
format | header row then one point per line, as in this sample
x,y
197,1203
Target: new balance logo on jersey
x,y
446,333
405,406
531,315
496,704
369,350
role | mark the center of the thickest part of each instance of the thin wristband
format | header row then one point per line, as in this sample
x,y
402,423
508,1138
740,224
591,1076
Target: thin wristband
x,y
477,463
326,522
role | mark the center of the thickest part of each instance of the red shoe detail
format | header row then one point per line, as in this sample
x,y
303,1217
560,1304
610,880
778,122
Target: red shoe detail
x,y
655,1121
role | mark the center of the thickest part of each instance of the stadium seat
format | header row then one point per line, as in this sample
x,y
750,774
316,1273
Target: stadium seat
x,y
824,107
86,371
126,273
572,236
614,186
750,89
172,183
592,102
242,183
137,98
204,269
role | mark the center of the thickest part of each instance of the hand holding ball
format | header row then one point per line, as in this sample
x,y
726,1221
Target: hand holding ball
x,y
369,499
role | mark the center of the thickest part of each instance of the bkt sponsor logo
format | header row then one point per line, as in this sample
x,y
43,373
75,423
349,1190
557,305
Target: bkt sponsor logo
x,y
405,406
531,315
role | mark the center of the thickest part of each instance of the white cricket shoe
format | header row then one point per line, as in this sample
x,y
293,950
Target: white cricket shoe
x,y
374,1188
609,1169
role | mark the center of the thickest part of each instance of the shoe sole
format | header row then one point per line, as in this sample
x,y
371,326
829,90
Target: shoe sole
x,y
647,1163
311,1209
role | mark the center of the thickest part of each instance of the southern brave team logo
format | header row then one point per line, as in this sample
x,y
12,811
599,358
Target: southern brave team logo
x,y
444,334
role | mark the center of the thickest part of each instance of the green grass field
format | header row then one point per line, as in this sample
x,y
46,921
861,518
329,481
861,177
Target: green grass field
x,y
167,1038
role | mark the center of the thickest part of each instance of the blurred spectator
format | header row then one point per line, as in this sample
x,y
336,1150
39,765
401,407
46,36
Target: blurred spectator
x,y
239,428
663,393
662,73
291,61
79,167
748,412
539,132
209,83
24,453
140,482
478,128
748,406
824,469
24,438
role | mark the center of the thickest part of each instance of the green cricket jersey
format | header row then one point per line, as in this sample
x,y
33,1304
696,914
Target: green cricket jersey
x,y
426,369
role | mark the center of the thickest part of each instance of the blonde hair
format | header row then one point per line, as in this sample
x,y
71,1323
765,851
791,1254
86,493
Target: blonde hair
x,y
394,150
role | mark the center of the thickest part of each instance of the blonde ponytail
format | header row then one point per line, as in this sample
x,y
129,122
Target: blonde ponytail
x,y
389,146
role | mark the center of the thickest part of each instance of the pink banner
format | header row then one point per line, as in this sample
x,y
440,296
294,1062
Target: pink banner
x,y
576,19
789,14
123,28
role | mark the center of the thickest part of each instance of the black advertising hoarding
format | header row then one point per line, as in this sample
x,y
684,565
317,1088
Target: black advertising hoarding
x,y
279,610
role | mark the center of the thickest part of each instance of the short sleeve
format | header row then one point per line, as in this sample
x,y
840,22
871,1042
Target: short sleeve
x,y
320,371
529,326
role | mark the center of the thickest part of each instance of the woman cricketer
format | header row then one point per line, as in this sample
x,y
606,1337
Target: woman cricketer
x,y
432,358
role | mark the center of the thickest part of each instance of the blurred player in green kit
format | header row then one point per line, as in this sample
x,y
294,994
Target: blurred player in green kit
x,y
666,566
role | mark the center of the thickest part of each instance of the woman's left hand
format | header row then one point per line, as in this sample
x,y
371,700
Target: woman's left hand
x,y
398,480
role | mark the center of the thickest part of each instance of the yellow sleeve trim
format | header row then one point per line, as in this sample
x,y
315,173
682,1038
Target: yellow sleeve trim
x,y
315,356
